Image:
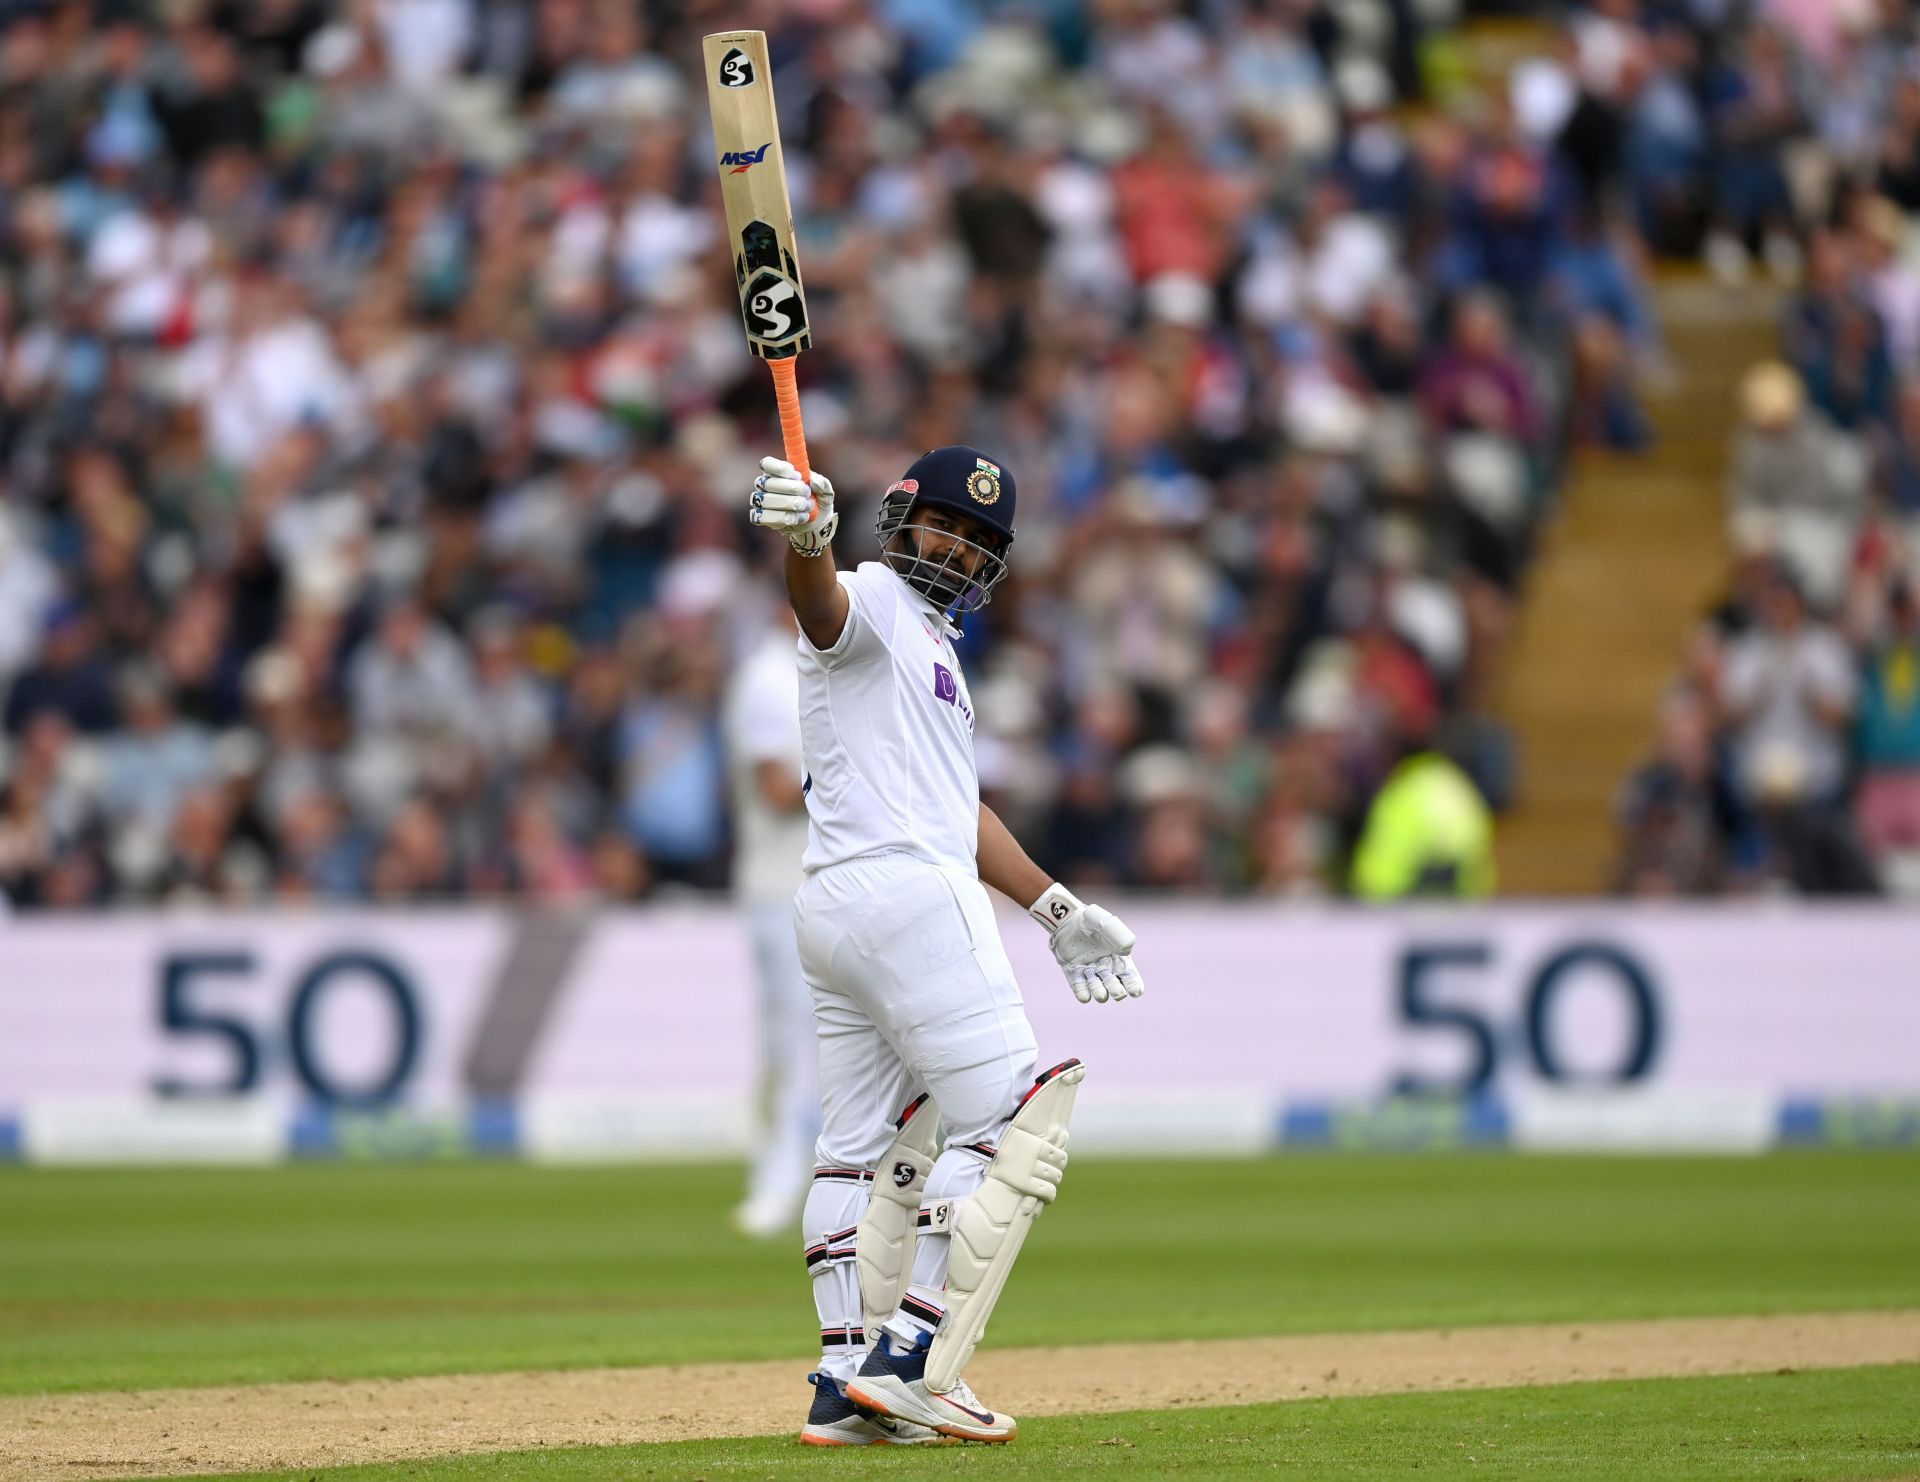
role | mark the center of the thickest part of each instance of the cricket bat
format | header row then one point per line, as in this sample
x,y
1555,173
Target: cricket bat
x,y
753,188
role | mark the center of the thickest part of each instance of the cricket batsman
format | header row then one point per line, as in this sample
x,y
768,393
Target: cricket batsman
x,y
917,1011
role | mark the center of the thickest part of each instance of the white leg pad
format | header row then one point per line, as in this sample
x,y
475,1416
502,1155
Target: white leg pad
x,y
884,1245
990,1226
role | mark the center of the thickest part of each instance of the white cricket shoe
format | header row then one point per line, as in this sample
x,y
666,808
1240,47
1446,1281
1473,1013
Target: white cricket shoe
x,y
892,1384
834,1422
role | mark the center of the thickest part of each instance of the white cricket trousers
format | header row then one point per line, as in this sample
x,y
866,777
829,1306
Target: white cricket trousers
x,y
912,992
787,1104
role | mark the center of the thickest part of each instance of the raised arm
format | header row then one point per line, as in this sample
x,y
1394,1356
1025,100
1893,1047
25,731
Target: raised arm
x,y
804,514
819,602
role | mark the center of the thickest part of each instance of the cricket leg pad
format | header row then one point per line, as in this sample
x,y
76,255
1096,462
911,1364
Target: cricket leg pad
x,y
990,1226
884,1245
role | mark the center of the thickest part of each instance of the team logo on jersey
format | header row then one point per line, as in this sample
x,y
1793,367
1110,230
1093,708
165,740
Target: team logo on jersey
x,y
983,484
736,69
743,160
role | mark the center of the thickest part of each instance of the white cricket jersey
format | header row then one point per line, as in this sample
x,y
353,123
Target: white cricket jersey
x,y
762,724
887,729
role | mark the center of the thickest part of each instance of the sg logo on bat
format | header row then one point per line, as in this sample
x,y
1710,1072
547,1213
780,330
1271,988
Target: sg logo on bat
x,y
772,307
736,69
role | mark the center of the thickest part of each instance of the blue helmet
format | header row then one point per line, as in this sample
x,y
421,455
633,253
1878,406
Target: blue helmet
x,y
965,481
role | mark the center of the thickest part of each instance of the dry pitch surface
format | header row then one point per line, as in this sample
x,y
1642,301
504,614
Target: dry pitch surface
x,y
261,1427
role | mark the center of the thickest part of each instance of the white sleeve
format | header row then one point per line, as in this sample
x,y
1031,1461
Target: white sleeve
x,y
766,714
864,635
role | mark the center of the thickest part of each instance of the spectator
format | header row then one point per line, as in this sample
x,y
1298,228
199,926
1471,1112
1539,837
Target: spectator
x,y
512,721
412,679
321,854
1508,212
211,106
27,591
1899,474
1476,384
1836,338
1757,97
1666,149
1428,833
371,388
1673,812
1797,488
672,768
1788,692
1886,744
1612,325
71,678
156,759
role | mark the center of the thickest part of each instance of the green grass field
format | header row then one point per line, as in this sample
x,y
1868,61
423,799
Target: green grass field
x,y
1836,1423
125,1279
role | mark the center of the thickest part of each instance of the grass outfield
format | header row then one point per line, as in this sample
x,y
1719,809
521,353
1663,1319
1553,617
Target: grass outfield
x,y
1831,1423
112,1279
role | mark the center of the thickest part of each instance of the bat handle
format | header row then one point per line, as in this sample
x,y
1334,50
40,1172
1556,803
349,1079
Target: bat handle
x,y
792,434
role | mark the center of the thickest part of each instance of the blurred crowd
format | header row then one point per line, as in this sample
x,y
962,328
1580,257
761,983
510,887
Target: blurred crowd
x,y
375,418
1788,756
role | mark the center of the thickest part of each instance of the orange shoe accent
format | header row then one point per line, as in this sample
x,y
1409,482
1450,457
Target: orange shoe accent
x,y
860,1401
959,1433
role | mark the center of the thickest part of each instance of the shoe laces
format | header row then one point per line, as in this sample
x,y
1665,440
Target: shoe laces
x,y
962,1393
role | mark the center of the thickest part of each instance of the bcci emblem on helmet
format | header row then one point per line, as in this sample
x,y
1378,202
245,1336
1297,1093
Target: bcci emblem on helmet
x,y
983,484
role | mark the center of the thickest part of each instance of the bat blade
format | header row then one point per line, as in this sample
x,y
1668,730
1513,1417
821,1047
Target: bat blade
x,y
753,190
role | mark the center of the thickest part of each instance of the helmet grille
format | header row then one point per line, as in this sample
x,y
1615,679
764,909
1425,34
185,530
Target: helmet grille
x,y
943,578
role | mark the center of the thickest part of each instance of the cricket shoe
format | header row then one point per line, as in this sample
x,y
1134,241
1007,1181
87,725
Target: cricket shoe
x,y
834,1422
764,1216
893,1383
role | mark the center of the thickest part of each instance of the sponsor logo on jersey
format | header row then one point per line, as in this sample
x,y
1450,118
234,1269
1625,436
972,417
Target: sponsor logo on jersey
x,y
947,688
736,69
743,160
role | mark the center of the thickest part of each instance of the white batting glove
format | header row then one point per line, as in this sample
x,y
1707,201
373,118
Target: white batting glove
x,y
1092,946
782,502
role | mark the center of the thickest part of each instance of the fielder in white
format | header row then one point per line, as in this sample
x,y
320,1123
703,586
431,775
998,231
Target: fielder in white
x,y
916,1007
762,722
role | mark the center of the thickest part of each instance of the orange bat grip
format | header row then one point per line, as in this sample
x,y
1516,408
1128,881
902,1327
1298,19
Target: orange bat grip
x,y
792,434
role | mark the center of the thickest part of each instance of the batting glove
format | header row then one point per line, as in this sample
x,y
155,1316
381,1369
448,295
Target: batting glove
x,y
805,511
1092,946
